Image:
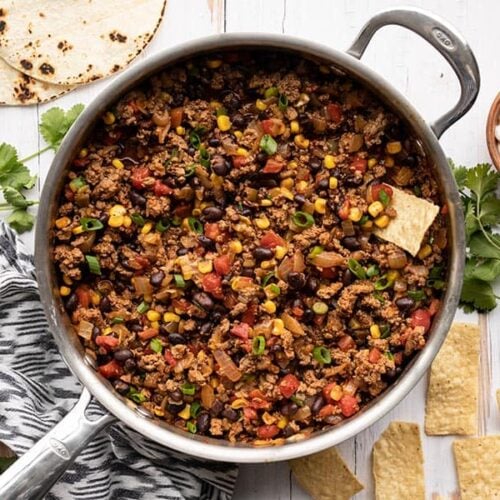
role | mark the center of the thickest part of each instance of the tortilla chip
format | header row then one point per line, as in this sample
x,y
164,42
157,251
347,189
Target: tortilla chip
x,y
478,467
325,476
77,41
414,217
398,463
452,395
17,88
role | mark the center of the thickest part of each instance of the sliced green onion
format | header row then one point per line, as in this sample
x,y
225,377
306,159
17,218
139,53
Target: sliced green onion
x,y
195,225
176,220
382,283
416,295
315,251
162,225
179,281
191,427
274,289
437,284
188,389
302,219
372,271
222,111
268,144
320,308
322,355
194,139
156,345
379,297
89,224
283,102
297,401
384,197
93,262
259,345
389,355
189,171
135,395
143,307
195,409
364,220
356,268
266,278
436,272
204,157
77,184
271,92
138,219
117,320
385,331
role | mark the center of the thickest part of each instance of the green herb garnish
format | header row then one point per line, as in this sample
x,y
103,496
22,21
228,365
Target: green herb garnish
x,y
143,307
268,144
258,345
356,268
283,102
162,225
195,225
271,92
195,409
416,295
179,281
188,389
93,262
135,395
322,355
89,224
138,219
302,219
156,345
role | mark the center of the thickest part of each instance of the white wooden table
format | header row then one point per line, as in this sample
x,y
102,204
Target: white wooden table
x,y
423,76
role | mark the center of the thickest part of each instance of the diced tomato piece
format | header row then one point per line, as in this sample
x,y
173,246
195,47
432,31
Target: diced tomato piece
x,y
421,317
241,331
249,315
271,240
83,296
148,333
258,400
182,211
230,300
373,192
112,137
176,115
273,126
334,112
140,262
434,306
180,304
273,166
329,273
239,161
374,355
68,194
169,358
111,369
444,210
249,413
348,405
212,283
398,358
106,341
80,162
138,176
326,411
326,391
268,431
222,264
288,385
359,164
346,342
344,210
212,230
161,189
298,311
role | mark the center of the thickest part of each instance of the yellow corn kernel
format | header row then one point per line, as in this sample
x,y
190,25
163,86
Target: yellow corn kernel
x,y
375,331
372,162
367,226
375,208
301,142
269,306
215,105
64,291
117,164
155,325
333,182
292,164
262,222
147,228
117,210
282,422
238,134
95,298
127,221
382,221
158,411
214,382
205,266
170,317
180,130
294,127
393,275
286,193
67,280
185,413
302,186
63,222
336,392
267,418
214,63
235,246
239,403
320,205
278,327
389,161
266,203
240,282
107,331
109,118
260,105
115,221
355,214
196,212
77,230
280,252
83,153
271,291
153,315
425,251
287,183
268,264
329,161
393,148
241,152
224,123
274,192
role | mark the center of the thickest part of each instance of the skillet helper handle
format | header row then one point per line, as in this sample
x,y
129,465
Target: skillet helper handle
x,y
34,473
443,37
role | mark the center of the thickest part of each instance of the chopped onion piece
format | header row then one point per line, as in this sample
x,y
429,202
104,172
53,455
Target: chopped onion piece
x,y
292,324
142,285
207,396
227,366
328,259
348,228
84,329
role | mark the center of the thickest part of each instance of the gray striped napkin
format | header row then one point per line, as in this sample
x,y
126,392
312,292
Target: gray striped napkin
x,y
37,390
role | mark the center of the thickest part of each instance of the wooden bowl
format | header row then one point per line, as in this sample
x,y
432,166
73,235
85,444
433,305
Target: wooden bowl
x,y
493,121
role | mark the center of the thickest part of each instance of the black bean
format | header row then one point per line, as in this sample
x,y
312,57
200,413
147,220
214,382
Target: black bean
x,y
96,331
315,164
219,165
288,431
157,278
248,272
72,303
232,101
214,142
182,251
191,150
390,375
308,315
323,183
289,409
203,300
312,284
136,327
203,422
300,199
264,182
296,280
238,121
123,354
105,305
247,211
230,414
405,303
174,408
318,403
130,365
213,214
176,338
351,243
121,387
176,395
137,199
261,253
206,242
216,408
347,277
261,158
206,328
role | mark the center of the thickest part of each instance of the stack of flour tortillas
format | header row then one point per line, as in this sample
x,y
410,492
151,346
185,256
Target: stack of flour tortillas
x,y
47,48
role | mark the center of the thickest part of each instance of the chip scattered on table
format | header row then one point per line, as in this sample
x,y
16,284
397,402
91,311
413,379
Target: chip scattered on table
x,y
398,463
414,217
325,476
478,467
79,41
452,395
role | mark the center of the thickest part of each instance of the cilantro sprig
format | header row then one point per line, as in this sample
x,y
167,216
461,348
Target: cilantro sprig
x,y
15,176
478,188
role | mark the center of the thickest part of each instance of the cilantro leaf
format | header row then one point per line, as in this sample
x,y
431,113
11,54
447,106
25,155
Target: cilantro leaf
x,y
486,270
21,220
490,211
471,222
12,172
478,294
15,198
481,179
485,245
460,174
56,123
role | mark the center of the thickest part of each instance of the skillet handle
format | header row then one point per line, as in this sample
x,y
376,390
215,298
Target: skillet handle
x,y
34,473
443,37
